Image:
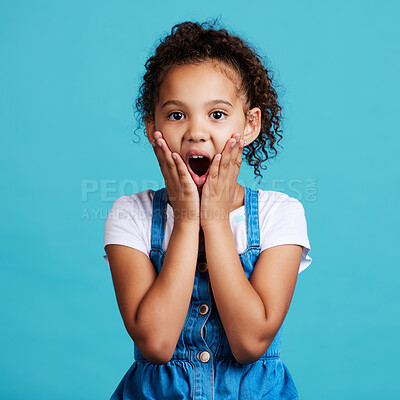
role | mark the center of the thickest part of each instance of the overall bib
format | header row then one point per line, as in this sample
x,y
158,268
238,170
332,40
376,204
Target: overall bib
x,y
203,366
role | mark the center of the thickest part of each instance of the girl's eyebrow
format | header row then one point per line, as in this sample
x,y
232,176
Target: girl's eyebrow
x,y
208,104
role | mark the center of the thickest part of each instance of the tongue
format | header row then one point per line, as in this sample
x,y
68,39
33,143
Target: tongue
x,y
199,165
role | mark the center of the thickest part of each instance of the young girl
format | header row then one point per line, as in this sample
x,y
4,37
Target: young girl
x,y
204,269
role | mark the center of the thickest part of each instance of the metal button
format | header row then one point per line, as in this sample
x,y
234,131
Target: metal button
x,y
202,267
203,356
203,309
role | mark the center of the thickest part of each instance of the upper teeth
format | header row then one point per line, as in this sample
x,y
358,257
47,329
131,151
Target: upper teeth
x,y
196,156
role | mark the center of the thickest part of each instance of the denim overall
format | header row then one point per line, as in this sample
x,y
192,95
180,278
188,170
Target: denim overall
x,y
203,366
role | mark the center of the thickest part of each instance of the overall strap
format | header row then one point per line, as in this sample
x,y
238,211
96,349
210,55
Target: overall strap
x,y
159,219
252,222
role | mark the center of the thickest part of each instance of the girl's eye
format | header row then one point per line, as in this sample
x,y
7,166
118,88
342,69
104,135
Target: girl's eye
x,y
218,114
175,116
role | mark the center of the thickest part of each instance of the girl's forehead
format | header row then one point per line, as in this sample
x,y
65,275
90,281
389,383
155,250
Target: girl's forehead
x,y
204,77
210,66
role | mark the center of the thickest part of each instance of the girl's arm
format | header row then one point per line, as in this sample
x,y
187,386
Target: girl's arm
x,y
251,311
154,308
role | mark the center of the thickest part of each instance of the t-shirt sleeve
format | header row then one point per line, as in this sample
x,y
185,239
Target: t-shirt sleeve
x,y
286,224
125,225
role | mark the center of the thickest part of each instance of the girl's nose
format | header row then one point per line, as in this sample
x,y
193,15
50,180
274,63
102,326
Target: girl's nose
x,y
196,133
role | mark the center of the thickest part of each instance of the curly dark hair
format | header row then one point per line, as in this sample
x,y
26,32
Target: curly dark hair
x,y
191,43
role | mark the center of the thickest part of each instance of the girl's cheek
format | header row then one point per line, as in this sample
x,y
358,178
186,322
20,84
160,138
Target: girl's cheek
x,y
171,145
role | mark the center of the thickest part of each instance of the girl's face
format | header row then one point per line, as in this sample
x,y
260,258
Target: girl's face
x,y
198,111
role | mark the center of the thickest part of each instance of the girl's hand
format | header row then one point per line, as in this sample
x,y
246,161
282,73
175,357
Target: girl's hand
x,y
182,191
218,192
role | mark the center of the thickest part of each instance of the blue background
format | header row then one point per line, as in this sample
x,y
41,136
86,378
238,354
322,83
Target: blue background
x,y
69,75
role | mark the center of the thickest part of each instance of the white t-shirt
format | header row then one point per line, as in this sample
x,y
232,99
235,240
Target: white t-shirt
x,y
281,218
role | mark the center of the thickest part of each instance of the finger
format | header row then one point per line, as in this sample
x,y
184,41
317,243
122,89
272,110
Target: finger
x,y
167,163
157,147
214,168
157,135
157,142
167,154
226,159
187,187
154,137
239,157
232,171
183,172
234,155
160,144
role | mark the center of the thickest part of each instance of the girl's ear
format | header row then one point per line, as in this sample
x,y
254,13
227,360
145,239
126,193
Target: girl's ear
x,y
253,125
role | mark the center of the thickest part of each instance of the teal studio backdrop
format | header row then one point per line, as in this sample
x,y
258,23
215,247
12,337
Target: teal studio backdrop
x,y
69,75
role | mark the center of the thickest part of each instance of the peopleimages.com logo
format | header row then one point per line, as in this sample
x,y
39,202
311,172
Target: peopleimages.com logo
x,y
107,190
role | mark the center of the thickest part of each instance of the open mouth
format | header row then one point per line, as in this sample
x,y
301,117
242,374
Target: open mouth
x,y
199,164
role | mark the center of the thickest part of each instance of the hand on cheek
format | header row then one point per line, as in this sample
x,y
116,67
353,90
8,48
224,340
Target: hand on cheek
x,y
218,192
182,191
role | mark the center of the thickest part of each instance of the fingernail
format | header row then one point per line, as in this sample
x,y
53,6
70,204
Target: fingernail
x,y
242,143
233,144
153,143
159,143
